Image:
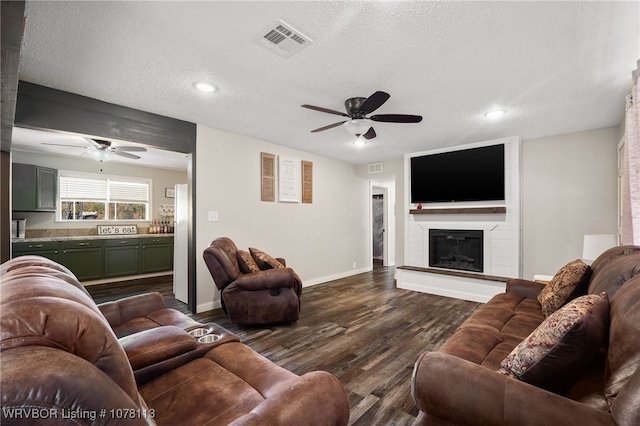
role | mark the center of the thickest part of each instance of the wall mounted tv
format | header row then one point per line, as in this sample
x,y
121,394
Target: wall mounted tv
x,y
475,174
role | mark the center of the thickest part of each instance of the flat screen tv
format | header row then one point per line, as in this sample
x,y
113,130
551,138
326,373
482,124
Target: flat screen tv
x,y
475,174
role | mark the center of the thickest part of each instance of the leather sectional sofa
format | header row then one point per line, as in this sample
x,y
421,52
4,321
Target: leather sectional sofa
x,y
459,384
65,360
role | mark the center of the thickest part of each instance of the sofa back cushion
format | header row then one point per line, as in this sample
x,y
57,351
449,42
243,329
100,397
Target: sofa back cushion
x,y
611,253
222,261
622,372
612,274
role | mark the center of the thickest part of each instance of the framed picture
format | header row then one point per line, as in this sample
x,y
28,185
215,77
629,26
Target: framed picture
x,y
288,179
170,193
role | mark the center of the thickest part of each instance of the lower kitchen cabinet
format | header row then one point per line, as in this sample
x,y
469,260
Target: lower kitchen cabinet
x,y
98,258
156,255
121,257
48,249
85,258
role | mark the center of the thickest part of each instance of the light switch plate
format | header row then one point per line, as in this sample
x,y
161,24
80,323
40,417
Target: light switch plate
x,y
213,216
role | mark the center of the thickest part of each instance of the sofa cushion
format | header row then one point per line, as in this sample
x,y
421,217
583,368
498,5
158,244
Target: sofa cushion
x,y
494,329
562,345
264,260
574,274
247,263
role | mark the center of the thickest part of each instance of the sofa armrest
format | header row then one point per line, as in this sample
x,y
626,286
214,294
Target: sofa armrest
x,y
524,288
315,398
128,308
271,278
149,347
463,393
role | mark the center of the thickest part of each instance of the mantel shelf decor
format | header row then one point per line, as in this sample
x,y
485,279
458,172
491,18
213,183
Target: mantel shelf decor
x,y
461,210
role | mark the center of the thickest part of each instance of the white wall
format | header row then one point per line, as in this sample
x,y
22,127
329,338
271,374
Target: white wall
x,y
320,241
162,178
569,188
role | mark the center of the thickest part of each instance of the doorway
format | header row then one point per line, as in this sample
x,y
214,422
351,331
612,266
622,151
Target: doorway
x,y
378,230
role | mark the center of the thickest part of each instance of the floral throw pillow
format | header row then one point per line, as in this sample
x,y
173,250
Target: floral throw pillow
x,y
562,345
246,262
564,282
263,260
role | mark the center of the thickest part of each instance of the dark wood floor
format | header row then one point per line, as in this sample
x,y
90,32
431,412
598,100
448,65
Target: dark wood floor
x,y
362,329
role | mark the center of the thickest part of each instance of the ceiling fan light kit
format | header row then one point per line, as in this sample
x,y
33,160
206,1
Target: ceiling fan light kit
x,y
357,111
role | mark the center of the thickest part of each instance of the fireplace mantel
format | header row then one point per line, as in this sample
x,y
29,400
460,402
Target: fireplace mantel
x,y
460,210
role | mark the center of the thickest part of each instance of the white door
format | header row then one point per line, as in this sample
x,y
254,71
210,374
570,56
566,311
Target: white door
x,y
181,244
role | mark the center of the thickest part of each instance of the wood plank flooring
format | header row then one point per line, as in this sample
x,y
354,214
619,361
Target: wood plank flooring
x,y
362,329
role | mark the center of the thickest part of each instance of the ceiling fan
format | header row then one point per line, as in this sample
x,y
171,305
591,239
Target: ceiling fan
x,y
357,110
102,149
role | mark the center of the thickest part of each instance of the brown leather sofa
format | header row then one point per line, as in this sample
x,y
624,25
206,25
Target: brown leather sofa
x,y
459,384
269,295
62,363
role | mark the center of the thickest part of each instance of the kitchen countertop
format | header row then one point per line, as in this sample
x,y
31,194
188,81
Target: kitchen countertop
x,y
87,237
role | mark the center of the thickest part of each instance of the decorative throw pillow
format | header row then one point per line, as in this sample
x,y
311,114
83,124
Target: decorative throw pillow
x,y
562,345
246,262
574,274
263,260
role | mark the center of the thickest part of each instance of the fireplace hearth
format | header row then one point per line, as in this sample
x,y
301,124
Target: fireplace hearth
x,y
457,249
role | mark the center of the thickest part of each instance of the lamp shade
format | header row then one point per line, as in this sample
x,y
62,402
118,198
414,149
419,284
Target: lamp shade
x,y
595,244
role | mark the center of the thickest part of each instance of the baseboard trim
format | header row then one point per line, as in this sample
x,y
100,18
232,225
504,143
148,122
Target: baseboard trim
x,y
209,306
322,280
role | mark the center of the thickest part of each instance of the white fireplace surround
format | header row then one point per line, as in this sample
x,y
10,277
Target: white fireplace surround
x,y
501,233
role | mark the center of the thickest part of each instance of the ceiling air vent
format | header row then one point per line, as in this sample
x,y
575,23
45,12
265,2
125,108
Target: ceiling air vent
x,y
283,39
375,168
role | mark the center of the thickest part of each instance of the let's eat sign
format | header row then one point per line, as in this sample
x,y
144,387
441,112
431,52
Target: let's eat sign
x,y
117,229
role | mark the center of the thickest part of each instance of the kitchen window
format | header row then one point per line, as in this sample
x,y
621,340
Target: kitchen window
x,y
85,197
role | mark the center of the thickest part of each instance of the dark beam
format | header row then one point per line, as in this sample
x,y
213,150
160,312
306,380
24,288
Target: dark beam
x,y
40,107
12,30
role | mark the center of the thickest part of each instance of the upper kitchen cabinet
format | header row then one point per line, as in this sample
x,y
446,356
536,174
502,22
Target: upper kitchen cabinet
x,y
34,188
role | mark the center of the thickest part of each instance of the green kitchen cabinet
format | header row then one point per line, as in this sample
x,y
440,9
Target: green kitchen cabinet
x,y
33,188
121,257
48,249
156,254
85,258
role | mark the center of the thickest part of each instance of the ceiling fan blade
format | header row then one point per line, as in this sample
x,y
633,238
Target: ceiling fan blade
x,y
374,102
97,143
396,118
330,126
131,148
327,110
64,144
126,155
370,134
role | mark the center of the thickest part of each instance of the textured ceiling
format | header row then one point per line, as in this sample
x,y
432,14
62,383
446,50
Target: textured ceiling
x,y
556,67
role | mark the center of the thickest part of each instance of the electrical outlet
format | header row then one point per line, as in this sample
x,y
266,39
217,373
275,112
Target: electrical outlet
x,y
213,216
354,265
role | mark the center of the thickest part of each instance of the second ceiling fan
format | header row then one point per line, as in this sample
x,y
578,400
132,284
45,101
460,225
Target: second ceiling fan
x,y
357,109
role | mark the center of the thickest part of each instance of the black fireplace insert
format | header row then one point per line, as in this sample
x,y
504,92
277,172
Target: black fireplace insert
x,y
458,249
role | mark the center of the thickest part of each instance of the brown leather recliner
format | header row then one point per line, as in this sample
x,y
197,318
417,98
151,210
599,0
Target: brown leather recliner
x,y
62,364
263,297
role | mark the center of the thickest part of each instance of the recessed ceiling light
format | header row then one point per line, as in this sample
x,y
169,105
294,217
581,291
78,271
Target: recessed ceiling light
x,y
495,113
204,87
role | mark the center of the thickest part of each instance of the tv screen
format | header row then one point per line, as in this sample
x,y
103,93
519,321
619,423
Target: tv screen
x,y
475,174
